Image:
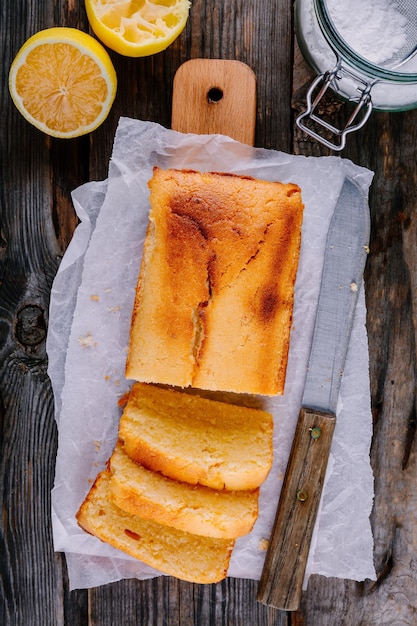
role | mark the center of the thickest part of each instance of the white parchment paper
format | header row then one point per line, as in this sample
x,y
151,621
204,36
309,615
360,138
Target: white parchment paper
x,y
90,312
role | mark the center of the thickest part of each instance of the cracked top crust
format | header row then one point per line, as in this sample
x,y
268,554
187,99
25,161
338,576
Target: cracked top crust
x,y
214,298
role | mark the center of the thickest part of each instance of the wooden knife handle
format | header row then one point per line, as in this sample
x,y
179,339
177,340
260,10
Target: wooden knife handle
x,y
285,563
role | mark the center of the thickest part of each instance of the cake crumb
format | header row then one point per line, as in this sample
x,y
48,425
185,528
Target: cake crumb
x,y
353,286
123,400
87,341
263,545
94,297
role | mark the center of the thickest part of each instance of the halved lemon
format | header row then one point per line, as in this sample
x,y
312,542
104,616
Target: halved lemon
x,y
137,28
63,82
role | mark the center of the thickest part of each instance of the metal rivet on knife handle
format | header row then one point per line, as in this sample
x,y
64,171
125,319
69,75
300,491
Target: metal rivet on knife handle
x,y
315,432
302,495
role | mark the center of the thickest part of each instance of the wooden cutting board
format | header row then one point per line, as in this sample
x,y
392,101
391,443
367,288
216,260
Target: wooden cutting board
x,y
215,96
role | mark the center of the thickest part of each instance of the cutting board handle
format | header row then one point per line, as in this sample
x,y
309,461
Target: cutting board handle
x,y
215,96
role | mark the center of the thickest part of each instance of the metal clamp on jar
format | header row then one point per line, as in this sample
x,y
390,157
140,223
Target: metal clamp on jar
x,y
363,51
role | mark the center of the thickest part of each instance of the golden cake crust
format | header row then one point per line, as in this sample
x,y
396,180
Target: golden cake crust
x,y
191,508
214,299
187,556
197,440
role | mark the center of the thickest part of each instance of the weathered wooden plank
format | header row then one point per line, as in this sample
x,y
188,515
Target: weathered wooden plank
x,y
33,578
165,601
256,33
387,145
235,30
37,176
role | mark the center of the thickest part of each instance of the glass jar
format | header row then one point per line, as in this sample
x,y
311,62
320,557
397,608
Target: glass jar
x,y
369,82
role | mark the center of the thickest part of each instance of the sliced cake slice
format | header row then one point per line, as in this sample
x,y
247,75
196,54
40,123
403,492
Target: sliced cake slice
x,y
186,556
197,440
192,508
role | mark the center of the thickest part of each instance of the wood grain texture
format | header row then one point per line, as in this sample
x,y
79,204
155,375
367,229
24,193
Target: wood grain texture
x,y
168,602
215,96
387,146
37,221
286,559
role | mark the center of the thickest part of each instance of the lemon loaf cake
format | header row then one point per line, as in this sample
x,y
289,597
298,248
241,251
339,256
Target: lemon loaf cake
x,y
192,508
184,555
214,298
197,440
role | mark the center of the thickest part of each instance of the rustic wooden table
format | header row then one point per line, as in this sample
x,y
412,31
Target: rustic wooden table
x,y
37,222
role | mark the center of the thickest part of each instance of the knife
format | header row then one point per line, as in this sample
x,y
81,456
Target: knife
x,y
344,262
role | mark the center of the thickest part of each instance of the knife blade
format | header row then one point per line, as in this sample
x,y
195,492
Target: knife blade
x,y
344,262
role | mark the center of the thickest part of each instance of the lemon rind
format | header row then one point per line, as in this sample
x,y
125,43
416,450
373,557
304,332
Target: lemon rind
x,y
116,41
85,44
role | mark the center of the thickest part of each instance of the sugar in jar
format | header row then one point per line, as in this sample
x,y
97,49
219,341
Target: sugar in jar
x,y
363,51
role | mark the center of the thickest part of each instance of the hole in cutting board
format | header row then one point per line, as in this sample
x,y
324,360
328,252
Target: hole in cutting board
x,y
214,94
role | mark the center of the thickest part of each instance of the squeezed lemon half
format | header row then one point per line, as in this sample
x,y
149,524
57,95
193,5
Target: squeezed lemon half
x,y
137,28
